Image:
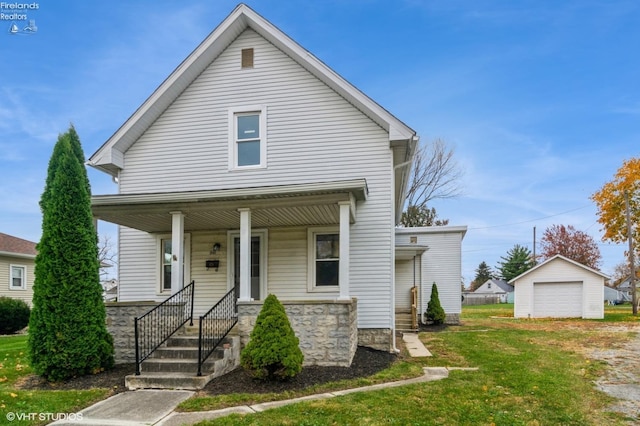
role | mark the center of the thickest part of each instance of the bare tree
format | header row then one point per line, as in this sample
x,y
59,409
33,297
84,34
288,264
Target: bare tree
x,y
107,255
435,174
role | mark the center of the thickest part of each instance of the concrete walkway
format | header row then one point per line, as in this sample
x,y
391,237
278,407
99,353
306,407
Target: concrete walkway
x,y
414,345
156,407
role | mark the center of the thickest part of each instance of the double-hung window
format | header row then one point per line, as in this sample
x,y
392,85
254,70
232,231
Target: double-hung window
x,y
324,259
248,141
18,277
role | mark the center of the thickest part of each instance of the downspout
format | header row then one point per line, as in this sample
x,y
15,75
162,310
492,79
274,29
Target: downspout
x,y
413,141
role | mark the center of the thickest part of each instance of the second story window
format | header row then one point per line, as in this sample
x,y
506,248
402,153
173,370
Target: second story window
x,y
248,140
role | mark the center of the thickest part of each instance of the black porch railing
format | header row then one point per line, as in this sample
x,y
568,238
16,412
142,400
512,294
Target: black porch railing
x,y
156,326
215,325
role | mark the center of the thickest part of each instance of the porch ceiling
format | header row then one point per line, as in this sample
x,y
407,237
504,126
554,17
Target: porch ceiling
x,y
287,205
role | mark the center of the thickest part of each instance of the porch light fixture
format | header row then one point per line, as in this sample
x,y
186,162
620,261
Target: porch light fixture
x,y
216,247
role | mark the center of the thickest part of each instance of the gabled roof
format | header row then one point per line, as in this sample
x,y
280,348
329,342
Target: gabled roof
x,y
502,284
566,259
14,246
109,157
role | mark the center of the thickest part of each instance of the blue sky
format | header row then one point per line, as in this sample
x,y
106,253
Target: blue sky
x,y
540,99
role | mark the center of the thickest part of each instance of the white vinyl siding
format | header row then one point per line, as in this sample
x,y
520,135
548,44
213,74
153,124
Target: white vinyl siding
x,y
5,278
211,285
441,263
138,266
405,276
560,273
314,135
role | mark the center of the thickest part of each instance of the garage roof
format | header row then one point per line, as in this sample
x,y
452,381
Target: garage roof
x,y
566,259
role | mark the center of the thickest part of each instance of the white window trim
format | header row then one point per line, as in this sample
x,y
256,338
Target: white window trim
x,y
24,277
311,259
233,151
160,291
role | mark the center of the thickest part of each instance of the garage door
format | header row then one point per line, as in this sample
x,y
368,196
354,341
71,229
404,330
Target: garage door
x,y
562,299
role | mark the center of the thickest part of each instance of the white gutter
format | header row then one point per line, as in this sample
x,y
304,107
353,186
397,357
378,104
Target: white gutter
x,y
18,255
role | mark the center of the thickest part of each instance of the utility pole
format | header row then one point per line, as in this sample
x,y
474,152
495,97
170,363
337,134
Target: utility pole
x,y
535,260
632,264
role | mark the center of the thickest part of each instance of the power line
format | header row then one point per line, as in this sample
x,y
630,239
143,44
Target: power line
x,y
531,220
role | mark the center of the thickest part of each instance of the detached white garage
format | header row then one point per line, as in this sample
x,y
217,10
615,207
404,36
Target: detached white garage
x,y
559,288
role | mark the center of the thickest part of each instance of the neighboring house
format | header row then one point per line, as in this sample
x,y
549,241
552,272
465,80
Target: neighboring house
x,y
560,288
625,288
256,167
425,256
17,259
110,290
613,296
497,287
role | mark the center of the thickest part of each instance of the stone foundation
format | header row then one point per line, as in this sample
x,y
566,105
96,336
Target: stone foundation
x,y
327,330
375,338
120,323
452,319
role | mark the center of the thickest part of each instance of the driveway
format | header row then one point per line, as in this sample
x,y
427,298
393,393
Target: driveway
x,y
622,379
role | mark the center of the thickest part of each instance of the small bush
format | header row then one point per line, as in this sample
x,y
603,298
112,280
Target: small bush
x,y
14,315
273,353
435,313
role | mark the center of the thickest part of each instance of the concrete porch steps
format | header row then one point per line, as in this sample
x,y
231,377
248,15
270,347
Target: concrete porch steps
x,y
175,364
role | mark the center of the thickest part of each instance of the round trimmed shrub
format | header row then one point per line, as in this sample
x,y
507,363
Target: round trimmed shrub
x,y
14,315
273,351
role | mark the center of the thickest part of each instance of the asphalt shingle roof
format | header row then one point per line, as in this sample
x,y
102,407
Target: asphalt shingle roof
x,y
11,244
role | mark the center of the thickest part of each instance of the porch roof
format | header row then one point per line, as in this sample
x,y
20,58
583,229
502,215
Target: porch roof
x,y
280,205
408,251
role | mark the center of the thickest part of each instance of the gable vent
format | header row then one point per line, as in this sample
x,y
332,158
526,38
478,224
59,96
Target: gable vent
x,y
247,58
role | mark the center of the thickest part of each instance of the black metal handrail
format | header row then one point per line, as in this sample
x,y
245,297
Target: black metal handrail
x,y
215,325
156,326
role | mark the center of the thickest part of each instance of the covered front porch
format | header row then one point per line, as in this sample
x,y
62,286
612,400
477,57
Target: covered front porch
x,y
290,240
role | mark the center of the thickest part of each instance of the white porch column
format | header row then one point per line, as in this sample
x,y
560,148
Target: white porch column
x,y
343,275
177,251
245,255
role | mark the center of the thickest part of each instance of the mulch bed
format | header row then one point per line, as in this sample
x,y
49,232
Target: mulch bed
x,y
366,362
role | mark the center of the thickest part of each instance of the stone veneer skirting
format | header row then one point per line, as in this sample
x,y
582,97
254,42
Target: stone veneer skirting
x,y
452,319
120,323
375,338
327,329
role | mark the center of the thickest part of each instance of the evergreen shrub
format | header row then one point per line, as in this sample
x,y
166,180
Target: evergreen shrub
x,y
67,327
273,353
14,315
435,313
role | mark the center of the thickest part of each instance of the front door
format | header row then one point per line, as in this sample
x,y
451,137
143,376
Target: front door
x,y
256,266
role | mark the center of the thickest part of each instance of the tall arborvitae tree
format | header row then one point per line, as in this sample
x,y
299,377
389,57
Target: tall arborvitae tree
x,y
67,331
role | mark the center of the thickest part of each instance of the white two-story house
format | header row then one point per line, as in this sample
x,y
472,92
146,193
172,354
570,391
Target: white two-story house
x,y
255,166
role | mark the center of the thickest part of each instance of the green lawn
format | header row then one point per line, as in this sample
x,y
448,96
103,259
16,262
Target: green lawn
x,y
14,366
530,373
